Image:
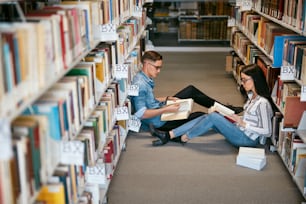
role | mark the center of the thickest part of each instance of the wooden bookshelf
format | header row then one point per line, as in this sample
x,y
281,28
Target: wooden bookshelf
x,y
198,21
267,34
60,111
203,28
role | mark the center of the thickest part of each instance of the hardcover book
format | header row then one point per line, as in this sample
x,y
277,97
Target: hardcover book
x,y
250,157
183,112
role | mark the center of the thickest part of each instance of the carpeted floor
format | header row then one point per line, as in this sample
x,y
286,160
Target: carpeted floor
x,y
203,170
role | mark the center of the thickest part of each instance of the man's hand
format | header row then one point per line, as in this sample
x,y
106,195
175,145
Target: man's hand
x,y
171,108
172,98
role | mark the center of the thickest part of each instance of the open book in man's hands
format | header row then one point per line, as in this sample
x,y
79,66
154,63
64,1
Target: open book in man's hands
x,y
183,112
223,110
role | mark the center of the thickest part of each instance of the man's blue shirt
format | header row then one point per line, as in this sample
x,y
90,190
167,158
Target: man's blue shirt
x,y
145,100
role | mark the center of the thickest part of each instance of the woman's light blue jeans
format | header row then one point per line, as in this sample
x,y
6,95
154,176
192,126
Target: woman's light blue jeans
x,y
203,124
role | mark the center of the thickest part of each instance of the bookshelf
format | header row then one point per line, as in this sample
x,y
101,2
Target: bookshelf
x,y
63,103
203,28
198,21
265,34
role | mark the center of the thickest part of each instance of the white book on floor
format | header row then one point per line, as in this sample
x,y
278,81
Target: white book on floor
x,y
250,157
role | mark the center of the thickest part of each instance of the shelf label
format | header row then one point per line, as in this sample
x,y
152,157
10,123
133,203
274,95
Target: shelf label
x,y
138,11
122,113
96,174
105,32
134,123
72,152
121,71
108,28
238,3
231,22
303,93
6,152
287,73
245,5
133,90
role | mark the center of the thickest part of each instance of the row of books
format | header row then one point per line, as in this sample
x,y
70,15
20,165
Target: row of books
x,y
262,32
50,47
205,29
250,53
37,153
219,7
70,131
288,142
292,150
287,96
76,112
109,11
294,56
60,36
291,12
282,46
74,109
286,47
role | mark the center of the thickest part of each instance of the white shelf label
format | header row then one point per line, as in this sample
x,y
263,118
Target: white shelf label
x,y
122,113
303,93
133,90
96,174
287,73
134,123
5,141
72,152
246,5
138,11
231,22
105,32
121,71
108,28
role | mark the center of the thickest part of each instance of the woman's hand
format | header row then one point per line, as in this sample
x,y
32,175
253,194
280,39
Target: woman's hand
x,y
237,119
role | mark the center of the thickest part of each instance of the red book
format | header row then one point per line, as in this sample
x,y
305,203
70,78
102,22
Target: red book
x,y
293,111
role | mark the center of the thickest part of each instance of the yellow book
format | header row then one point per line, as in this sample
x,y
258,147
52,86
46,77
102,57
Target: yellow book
x,y
100,66
52,193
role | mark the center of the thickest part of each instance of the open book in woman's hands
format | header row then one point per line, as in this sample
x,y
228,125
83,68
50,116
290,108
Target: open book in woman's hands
x,y
183,112
223,110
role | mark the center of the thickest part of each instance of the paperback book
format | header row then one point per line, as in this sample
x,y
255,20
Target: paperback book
x,y
250,157
223,110
183,112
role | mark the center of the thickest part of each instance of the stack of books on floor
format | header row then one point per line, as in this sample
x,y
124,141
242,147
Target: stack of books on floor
x,y
253,158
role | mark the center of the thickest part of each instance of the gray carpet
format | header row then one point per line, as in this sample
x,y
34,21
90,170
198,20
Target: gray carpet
x,y
204,169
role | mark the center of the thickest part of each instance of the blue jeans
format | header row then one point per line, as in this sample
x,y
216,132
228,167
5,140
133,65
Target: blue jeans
x,y
215,121
181,130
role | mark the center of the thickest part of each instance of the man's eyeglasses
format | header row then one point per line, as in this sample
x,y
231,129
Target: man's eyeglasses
x,y
156,67
244,80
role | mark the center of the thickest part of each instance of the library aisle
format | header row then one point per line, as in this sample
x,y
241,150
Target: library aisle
x,y
204,170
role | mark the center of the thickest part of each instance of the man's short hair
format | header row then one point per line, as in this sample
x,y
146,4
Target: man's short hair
x,y
152,56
